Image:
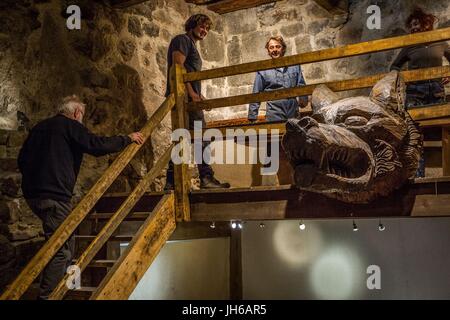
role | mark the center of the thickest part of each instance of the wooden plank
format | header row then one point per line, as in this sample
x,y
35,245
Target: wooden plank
x,y
48,250
236,290
121,280
435,122
335,7
179,120
325,54
342,85
121,4
432,144
446,151
111,226
227,6
431,206
290,203
430,112
200,230
119,238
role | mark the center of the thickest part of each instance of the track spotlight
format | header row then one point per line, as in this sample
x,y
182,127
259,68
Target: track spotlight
x,y
212,225
302,226
240,225
381,227
262,225
355,227
233,225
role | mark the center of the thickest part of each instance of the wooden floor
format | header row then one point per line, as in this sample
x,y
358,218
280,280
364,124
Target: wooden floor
x,y
425,197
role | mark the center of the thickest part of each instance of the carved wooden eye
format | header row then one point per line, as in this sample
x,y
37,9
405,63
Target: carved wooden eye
x,y
355,121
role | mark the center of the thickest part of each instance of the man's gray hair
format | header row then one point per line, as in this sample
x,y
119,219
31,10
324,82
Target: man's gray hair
x,y
69,104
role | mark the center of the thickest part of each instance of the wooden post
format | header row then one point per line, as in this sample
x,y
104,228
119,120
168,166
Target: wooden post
x,y
235,265
179,120
446,151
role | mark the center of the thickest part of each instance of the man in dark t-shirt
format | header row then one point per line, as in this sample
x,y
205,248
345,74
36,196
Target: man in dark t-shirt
x,y
49,162
182,50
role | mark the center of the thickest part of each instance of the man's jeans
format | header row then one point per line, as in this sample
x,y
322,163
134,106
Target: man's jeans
x,y
204,169
53,213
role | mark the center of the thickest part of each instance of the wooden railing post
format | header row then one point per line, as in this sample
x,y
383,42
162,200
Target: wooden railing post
x,y
180,120
446,151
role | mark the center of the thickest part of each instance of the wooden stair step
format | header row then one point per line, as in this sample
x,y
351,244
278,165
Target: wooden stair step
x,y
135,216
84,293
126,238
100,263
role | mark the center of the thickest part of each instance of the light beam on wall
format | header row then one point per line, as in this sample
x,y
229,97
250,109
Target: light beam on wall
x,y
337,274
294,247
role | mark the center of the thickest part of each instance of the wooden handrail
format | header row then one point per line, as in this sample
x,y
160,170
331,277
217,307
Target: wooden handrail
x,y
123,277
325,54
62,234
423,115
112,224
342,85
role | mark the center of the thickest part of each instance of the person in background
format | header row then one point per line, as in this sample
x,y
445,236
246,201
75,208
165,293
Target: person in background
x,y
183,50
425,92
275,79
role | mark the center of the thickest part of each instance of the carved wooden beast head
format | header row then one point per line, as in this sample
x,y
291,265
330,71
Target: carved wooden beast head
x,y
355,149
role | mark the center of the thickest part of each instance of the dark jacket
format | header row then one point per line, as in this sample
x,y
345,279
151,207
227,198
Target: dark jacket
x,y
51,156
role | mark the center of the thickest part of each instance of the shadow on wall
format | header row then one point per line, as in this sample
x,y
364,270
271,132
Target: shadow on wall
x,y
41,61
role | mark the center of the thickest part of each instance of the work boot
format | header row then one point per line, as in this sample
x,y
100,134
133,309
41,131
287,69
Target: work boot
x,y
209,182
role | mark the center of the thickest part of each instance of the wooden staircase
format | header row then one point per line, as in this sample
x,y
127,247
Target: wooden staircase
x,y
180,213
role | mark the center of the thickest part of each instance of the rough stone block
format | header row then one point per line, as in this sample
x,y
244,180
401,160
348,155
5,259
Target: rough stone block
x,y
9,211
241,22
135,27
13,152
19,231
253,46
126,47
10,184
212,47
6,250
303,44
292,30
3,152
4,136
151,29
8,165
317,26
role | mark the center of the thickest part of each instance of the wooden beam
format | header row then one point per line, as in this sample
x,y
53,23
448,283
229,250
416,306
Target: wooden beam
x,y
430,112
287,202
323,55
335,7
112,224
180,120
435,122
418,114
121,280
62,234
236,264
227,6
446,151
122,4
342,85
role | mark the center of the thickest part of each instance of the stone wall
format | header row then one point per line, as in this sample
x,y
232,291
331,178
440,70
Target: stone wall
x,y
306,26
116,63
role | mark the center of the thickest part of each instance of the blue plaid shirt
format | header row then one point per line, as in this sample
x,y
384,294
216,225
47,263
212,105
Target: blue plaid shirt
x,y
274,79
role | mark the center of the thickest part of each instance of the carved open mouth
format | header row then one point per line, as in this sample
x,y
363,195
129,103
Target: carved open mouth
x,y
341,162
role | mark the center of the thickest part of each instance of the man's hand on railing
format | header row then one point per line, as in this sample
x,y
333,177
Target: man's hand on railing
x,y
137,137
445,80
